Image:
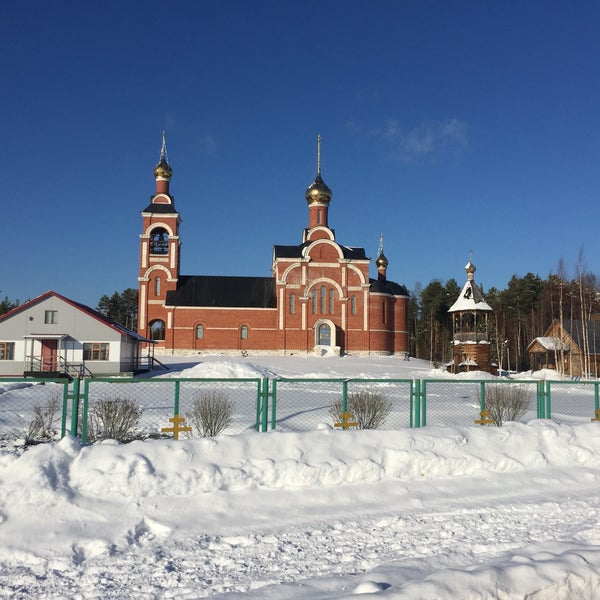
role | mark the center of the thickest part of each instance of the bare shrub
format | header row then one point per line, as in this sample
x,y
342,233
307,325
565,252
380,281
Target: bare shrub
x,y
212,412
43,427
506,402
113,419
368,409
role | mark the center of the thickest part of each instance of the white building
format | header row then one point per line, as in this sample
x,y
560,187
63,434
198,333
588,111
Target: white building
x,y
52,336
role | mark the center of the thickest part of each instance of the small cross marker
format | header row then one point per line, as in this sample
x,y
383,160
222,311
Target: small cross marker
x,y
177,422
485,418
597,413
345,422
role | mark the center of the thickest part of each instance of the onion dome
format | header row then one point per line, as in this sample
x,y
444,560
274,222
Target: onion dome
x,y
382,261
470,269
163,169
318,192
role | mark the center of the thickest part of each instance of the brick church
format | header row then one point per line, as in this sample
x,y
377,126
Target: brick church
x,y
319,297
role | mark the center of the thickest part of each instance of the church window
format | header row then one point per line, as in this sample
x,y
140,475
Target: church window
x,y
159,241
244,332
7,350
157,286
157,330
95,351
314,302
292,304
331,302
199,332
383,312
319,217
323,291
353,305
51,317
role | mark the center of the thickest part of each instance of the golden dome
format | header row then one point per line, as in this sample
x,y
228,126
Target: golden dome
x,y
318,192
382,261
162,169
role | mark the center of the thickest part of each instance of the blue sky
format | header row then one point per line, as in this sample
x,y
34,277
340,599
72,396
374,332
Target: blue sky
x,y
450,127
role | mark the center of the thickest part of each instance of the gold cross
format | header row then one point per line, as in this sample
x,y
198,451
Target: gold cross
x,y
485,418
597,412
177,421
345,421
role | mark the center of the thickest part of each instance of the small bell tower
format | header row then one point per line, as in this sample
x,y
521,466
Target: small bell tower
x,y
470,324
159,251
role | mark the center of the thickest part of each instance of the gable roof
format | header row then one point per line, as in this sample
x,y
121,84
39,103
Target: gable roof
x,y
348,252
223,291
86,309
575,330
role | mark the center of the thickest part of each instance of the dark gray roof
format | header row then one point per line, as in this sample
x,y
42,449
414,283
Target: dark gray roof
x,y
160,208
387,287
214,290
296,251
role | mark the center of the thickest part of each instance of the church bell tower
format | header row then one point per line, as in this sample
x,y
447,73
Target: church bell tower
x,y
159,252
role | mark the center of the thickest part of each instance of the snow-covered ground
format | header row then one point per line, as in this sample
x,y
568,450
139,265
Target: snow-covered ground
x,y
439,512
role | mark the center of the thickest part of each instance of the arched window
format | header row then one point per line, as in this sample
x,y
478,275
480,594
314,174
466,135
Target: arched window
x,y
353,305
383,312
314,302
159,241
199,332
292,304
244,332
157,330
323,291
157,286
331,295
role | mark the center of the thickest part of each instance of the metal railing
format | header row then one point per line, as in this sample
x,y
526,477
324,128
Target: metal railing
x,y
283,404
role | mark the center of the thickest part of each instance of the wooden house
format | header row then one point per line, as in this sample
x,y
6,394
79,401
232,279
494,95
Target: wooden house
x,y
565,348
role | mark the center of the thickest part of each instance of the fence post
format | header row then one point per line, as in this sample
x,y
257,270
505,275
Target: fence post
x,y
176,402
596,398
75,407
481,397
344,396
84,425
541,409
548,410
273,403
265,405
417,403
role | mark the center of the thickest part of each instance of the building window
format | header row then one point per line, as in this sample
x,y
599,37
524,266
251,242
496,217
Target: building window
x,y
159,241
292,304
7,351
244,332
157,286
199,332
314,302
323,291
95,351
383,312
51,317
157,330
330,302
353,305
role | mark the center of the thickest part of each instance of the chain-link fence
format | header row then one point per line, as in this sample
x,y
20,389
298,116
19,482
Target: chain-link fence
x,y
572,402
150,405
459,402
32,410
43,410
304,404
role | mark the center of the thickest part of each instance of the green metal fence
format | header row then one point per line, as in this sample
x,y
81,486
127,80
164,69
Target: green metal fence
x,y
40,410
33,410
